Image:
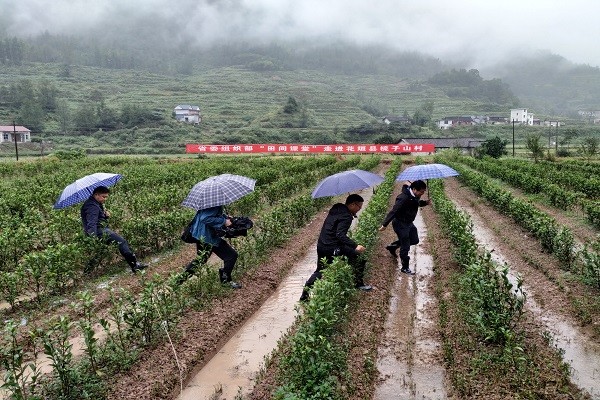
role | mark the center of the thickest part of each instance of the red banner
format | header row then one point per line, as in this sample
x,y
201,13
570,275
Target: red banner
x,y
309,148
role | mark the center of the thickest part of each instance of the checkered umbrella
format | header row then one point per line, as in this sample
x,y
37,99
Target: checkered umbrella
x,y
426,171
344,182
82,188
218,191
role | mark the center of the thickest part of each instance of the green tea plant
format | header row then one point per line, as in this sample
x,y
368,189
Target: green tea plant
x,y
590,263
21,375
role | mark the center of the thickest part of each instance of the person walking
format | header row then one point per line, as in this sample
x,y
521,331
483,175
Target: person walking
x,y
334,241
203,229
94,217
402,215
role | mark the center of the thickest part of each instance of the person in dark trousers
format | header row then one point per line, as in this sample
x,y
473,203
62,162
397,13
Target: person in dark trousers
x,y
334,241
402,215
94,217
204,227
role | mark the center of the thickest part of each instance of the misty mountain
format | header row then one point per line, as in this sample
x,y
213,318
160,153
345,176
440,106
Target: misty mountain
x,y
551,84
543,82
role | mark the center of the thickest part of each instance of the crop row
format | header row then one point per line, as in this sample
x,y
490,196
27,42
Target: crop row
x,y
559,196
30,267
134,322
554,237
314,367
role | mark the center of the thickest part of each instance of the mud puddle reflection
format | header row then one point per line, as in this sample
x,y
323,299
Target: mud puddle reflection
x,y
408,357
581,353
232,371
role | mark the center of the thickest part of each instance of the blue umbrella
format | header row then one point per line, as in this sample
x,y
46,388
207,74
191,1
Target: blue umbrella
x,y
344,182
82,188
426,171
218,191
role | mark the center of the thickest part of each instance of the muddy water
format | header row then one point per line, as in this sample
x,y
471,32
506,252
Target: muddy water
x,y
407,354
581,353
232,371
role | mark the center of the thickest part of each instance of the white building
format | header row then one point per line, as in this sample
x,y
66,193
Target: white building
x,y
187,113
521,116
8,133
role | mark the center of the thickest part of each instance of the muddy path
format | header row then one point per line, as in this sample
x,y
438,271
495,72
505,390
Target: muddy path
x,y
553,297
392,331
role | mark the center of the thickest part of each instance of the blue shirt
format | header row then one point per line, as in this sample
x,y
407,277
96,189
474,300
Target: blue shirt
x,y
205,223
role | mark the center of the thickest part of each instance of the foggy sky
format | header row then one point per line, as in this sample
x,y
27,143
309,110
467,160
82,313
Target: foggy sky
x,y
480,32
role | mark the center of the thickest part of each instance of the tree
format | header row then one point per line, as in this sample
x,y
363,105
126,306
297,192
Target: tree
x,y
106,117
495,148
589,147
47,93
534,146
63,115
424,113
291,107
31,115
85,119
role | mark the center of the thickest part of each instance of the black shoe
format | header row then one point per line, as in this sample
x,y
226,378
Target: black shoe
x,y
138,267
407,271
392,250
304,297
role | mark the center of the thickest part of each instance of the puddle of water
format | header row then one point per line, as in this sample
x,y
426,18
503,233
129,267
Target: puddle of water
x,y
423,379
233,369
582,355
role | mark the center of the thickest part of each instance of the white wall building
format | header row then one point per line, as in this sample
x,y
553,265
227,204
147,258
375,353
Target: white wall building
x,y
521,116
8,133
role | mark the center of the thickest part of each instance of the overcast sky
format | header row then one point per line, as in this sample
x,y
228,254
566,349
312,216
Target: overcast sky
x,y
483,31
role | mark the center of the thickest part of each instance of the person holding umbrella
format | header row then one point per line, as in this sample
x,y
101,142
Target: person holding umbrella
x,y
334,241
402,215
203,229
94,218
208,197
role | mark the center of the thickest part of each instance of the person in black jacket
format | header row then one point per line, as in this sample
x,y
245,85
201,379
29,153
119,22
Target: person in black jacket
x,y
402,216
94,218
334,241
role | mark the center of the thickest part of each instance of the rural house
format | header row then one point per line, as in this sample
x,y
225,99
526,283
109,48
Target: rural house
x,y
449,122
521,116
187,113
8,133
388,119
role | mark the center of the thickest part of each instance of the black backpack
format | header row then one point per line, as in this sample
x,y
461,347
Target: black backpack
x,y
239,227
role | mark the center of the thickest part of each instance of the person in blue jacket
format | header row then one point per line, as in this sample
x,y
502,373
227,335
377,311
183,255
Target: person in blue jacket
x,y
203,229
402,215
94,217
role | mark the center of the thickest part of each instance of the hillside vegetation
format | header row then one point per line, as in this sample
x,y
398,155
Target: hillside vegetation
x,y
85,94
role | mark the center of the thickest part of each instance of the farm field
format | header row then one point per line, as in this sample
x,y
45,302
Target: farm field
x,y
462,327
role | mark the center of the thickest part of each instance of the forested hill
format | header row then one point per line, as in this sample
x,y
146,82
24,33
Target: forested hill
x,y
545,83
550,83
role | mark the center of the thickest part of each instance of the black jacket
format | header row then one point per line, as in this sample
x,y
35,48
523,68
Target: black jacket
x,y
334,233
93,217
406,207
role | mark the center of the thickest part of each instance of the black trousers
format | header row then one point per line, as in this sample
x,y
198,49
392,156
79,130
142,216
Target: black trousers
x,y
223,250
356,262
407,236
110,237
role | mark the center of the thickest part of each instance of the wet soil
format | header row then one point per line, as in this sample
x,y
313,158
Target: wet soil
x,y
203,333
395,327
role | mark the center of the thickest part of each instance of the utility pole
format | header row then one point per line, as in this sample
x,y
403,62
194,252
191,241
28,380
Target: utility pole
x,y
513,137
15,137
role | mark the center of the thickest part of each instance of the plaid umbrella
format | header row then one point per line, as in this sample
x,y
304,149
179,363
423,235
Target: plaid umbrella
x,y
344,182
426,171
82,188
218,191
